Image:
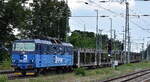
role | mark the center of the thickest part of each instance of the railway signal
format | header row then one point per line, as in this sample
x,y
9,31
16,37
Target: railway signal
x,y
109,48
122,47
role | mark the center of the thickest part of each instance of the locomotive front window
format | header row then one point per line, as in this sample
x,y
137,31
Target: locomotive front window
x,y
24,47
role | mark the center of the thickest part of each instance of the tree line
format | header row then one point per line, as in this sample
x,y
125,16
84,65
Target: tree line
x,y
85,39
41,18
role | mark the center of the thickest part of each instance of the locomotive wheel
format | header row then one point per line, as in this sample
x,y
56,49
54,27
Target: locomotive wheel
x,y
60,70
37,72
23,73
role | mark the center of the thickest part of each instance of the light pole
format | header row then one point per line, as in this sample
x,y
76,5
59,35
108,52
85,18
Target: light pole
x,y
96,29
96,26
110,28
100,32
111,39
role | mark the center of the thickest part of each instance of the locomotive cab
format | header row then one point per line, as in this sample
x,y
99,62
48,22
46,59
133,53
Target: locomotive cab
x,y
23,54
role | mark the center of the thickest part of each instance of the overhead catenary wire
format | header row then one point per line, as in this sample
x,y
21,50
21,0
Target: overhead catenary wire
x,y
78,23
139,26
121,16
139,17
143,20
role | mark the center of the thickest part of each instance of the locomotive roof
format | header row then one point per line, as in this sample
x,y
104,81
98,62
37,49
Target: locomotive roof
x,y
43,42
35,40
67,44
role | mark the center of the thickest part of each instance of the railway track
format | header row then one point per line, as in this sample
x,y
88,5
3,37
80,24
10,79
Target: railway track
x,y
6,71
13,77
132,77
146,80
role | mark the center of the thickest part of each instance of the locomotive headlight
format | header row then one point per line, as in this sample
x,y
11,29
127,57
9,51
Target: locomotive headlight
x,y
23,52
13,61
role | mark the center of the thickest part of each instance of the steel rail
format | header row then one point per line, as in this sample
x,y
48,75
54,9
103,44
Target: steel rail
x,y
137,76
128,75
6,72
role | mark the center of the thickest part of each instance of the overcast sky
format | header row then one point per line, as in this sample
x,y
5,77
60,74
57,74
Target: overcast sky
x,y
79,8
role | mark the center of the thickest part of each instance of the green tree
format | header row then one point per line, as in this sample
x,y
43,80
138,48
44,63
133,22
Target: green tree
x,y
81,39
50,18
12,16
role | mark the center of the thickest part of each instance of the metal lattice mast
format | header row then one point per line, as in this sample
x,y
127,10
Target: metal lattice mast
x,y
97,30
125,41
128,32
127,37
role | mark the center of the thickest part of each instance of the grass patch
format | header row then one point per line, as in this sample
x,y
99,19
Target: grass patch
x,y
80,71
83,75
5,65
3,78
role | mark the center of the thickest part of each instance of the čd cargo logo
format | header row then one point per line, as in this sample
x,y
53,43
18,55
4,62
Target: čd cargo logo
x,y
23,58
58,60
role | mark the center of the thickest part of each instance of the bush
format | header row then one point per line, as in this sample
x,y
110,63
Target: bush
x,y
145,62
97,72
5,65
4,55
80,71
129,64
3,78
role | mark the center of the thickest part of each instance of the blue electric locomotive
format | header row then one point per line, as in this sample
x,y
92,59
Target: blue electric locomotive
x,y
28,56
